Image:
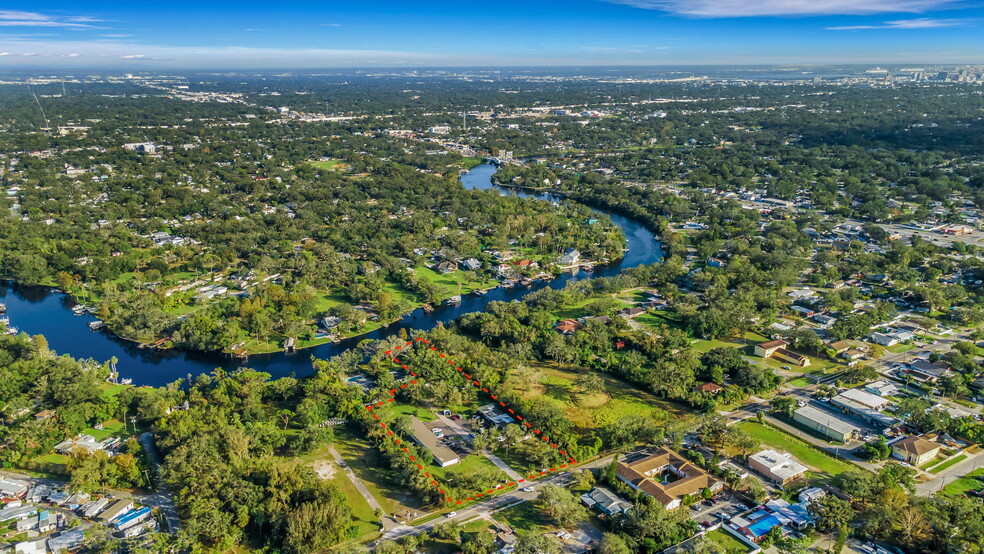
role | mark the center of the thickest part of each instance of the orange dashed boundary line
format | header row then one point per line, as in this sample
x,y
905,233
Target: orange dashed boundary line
x,y
468,378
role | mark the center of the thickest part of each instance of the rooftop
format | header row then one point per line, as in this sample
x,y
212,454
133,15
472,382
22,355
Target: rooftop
x,y
647,474
780,464
916,445
428,440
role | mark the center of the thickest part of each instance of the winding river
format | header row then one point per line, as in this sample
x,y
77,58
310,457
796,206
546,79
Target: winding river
x,y
40,310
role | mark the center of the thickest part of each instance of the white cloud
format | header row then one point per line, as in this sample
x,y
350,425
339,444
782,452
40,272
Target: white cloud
x,y
10,18
72,55
4,53
921,23
753,8
133,57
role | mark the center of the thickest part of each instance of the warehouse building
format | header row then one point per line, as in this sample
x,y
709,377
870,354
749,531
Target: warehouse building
x,y
827,424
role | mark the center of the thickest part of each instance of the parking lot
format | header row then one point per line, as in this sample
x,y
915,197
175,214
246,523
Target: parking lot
x,y
722,506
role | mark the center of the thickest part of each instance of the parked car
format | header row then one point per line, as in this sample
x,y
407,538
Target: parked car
x,y
450,514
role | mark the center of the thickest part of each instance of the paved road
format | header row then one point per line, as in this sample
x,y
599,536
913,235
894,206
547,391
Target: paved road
x,y
163,498
949,475
492,504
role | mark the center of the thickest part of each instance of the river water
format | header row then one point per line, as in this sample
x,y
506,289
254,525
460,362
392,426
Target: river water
x,y
39,310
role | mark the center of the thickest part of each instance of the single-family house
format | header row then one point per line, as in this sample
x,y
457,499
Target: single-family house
x,y
915,450
605,501
570,257
779,467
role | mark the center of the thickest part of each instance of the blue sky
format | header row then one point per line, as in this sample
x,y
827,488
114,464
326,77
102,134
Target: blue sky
x,y
249,34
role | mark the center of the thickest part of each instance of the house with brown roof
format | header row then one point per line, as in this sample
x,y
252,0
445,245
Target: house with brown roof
x,y
666,476
567,327
915,450
708,387
767,349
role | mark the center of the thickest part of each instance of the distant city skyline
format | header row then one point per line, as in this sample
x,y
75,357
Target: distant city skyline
x,y
299,35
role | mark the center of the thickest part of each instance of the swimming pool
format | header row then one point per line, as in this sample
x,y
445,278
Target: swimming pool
x,y
763,525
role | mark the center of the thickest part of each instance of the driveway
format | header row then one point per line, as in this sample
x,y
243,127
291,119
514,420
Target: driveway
x,y
463,433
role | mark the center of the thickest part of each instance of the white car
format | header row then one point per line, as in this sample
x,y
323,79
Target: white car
x,y
450,514
528,489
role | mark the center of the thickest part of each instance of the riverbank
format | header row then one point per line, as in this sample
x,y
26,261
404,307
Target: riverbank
x,y
39,310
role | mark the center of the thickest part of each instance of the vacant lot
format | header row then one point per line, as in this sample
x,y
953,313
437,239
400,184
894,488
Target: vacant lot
x,y
727,543
593,411
371,468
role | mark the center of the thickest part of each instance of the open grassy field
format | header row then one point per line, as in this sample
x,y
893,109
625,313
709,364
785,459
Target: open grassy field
x,y
331,165
808,455
595,411
472,463
107,390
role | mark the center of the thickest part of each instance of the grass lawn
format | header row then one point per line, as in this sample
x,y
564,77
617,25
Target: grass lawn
x,y
469,163
745,343
331,165
109,390
799,382
965,483
51,458
727,542
451,281
805,453
899,348
949,463
933,462
522,517
111,428
660,318
422,414
580,309
371,468
472,463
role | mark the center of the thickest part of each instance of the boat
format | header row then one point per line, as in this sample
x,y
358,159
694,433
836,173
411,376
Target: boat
x,y
96,325
453,300
12,330
78,309
3,308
